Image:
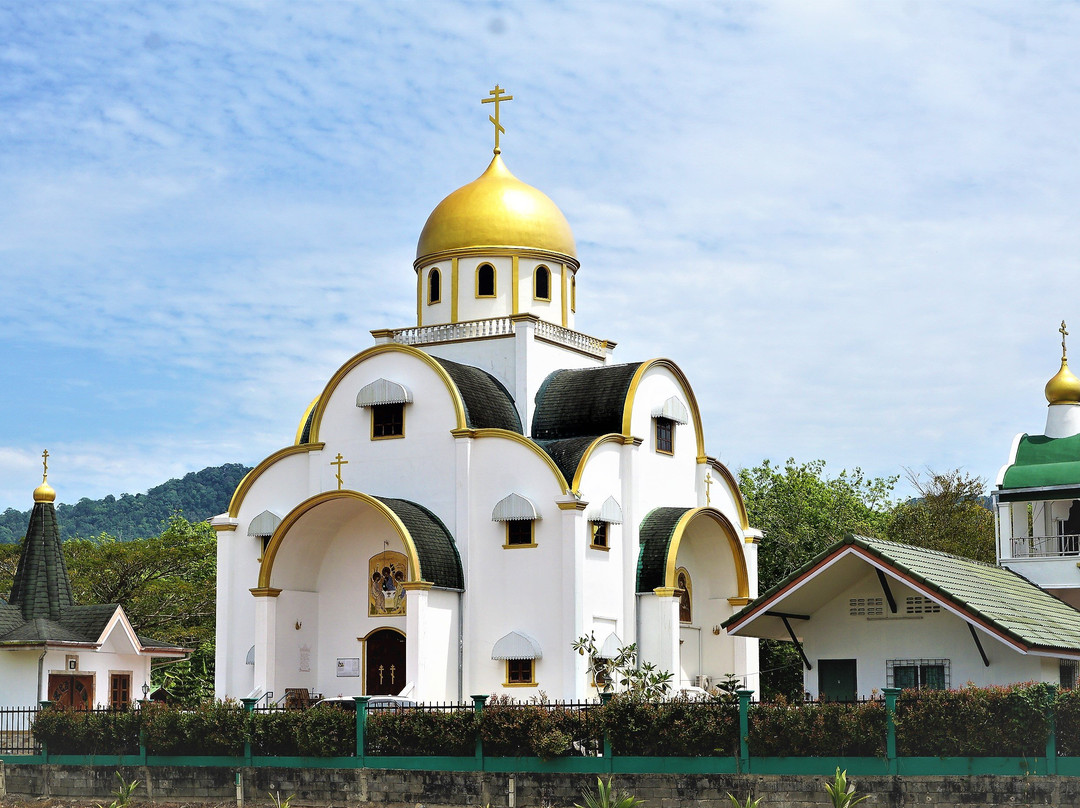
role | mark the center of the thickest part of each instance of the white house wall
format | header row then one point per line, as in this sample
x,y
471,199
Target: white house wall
x,y
18,673
831,633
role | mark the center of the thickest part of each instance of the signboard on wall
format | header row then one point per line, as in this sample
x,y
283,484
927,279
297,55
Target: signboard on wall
x,y
348,666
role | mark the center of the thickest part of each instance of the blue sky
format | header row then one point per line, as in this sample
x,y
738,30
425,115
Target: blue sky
x,y
854,225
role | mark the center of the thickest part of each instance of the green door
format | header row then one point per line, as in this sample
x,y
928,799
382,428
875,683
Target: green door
x,y
836,679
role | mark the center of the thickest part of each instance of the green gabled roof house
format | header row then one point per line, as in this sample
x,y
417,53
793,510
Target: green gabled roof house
x,y
1037,495
53,649
868,613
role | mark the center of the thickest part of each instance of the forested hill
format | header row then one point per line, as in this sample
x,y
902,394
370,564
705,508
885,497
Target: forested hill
x,y
198,495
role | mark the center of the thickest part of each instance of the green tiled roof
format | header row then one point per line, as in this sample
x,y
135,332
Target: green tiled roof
x,y
1042,461
566,453
42,587
576,403
40,630
655,536
999,597
305,433
10,618
439,560
488,405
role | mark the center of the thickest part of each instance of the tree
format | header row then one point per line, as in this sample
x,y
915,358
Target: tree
x,y
950,515
166,583
801,511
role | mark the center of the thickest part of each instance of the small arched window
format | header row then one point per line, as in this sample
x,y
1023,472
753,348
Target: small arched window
x,y
434,286
685,590
485,280
542,283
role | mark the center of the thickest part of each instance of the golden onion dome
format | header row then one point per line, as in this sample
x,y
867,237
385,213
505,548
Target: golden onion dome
x,y
496,210
1064,388
44,493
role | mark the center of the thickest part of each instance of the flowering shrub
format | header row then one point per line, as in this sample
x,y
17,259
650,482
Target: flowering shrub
x,y
779,729
1007,721
1067,722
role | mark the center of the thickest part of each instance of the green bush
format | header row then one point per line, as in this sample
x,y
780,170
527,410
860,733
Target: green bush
x,y
1067,722
673,728
780,729
275,732
217,728
85,732
420,732
516,729
326,732
1008,721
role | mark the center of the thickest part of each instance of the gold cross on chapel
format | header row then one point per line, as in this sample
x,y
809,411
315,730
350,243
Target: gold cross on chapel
x,y
45,463
337,461
496,99
1064,334
708,483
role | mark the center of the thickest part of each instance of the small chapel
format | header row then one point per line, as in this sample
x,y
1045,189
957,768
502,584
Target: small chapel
x,y
474,492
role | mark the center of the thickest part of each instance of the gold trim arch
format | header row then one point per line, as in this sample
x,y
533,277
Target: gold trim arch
x,y
249,479
631,394
740,503
266,569
734,542
391,347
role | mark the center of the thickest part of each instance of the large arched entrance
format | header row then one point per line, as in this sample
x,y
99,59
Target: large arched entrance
x,y
384,662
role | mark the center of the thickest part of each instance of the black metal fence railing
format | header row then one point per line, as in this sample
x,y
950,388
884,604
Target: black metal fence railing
x,y
15,735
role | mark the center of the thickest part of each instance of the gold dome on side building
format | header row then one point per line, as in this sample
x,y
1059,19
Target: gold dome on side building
x,y
496,210
1064,388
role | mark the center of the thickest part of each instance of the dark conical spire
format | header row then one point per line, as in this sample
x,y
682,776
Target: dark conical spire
x,y
42,588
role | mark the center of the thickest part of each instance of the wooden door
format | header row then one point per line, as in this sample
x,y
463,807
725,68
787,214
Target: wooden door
x,y
385,672
71,690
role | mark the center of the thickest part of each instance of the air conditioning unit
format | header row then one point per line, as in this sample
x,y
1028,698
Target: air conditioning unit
x,y
702,681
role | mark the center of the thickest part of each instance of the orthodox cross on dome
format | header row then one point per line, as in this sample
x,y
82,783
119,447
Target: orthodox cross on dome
x,y
45,463
708,482
497,98
1064,334
337,461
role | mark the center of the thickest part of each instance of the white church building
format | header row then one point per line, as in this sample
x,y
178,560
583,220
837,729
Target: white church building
x,y
471,494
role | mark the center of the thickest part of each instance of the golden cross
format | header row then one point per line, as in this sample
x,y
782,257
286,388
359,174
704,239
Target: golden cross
x,y
45,463
1064,334
497,98
337,461
708,482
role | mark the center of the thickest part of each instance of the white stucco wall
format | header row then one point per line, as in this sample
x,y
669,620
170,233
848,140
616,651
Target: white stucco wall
x,y
831,633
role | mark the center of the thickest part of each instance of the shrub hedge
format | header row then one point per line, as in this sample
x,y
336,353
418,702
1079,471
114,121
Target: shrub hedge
x,y
1008,721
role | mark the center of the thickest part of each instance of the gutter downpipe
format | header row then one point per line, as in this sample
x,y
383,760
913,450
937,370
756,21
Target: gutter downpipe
x,y
40,671
460,645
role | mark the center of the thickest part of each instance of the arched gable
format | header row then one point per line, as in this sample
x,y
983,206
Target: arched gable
x,y
695,412
736,491
661,532
432,553
249,479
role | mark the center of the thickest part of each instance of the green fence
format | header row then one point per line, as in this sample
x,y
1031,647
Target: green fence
x,y
1043,761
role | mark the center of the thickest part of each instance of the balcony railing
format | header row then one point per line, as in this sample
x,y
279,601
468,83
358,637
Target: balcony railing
x,y
497,327
1046,546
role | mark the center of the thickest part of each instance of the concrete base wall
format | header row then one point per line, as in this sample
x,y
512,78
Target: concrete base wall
x,y
408,789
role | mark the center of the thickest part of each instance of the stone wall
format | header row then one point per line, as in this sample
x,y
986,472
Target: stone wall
x,y
405,789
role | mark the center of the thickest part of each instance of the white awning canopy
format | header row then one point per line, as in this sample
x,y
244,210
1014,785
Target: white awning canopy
x,y
609,512
610,647
513,508
383,391
250,658
673,410
516,645
264,524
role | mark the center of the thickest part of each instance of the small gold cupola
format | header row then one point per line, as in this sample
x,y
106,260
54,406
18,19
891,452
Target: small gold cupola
x,y
44,492
1064,388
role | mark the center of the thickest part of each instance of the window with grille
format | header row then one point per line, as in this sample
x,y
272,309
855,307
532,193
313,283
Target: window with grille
x,y
920,605
1069,673
866,607
918,674
387,421
665,436
519,672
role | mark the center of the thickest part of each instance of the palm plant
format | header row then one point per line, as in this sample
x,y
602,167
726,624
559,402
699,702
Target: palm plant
x,y
607,797
841,792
